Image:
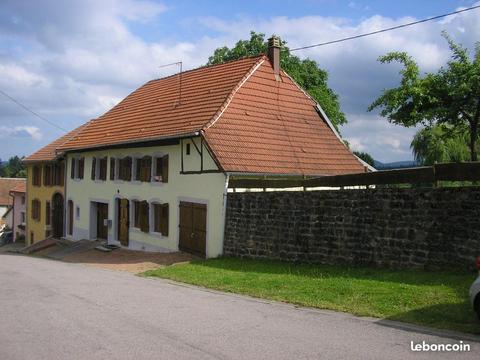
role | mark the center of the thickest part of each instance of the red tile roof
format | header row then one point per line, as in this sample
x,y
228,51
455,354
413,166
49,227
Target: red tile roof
x,y
7,184
252,122
153,111
21,187
49,152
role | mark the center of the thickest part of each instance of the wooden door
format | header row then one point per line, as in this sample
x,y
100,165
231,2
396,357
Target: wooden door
x,y
123,221
102,214
193,228
57,215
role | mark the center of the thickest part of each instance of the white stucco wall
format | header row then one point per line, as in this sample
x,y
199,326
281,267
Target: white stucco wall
x,y
201,188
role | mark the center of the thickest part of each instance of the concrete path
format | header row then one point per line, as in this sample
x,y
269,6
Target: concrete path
x,y
55,310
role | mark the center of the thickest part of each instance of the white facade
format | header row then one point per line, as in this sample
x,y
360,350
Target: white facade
x,y
203,188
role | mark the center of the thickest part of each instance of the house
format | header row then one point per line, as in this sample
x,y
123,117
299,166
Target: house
x,y
45,192
6,201
152,173
18,210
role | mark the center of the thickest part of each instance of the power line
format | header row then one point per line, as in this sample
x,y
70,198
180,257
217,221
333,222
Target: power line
x,y
387,29
31,111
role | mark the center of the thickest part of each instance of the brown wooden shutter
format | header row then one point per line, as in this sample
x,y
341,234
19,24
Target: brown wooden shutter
x,y
94,168
136,210
112,168
165,169
61,176
164,213
72,169
144,218
128,172
47,213
103,169
81,167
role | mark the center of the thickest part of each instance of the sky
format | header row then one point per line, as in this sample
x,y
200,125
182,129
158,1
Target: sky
x,y
71,61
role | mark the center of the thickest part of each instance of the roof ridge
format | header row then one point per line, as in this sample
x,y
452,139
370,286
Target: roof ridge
x,y
232,93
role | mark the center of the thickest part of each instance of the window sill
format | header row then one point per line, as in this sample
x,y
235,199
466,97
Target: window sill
x,y
98,181
157,183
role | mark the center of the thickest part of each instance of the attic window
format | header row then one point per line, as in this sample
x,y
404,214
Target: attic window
x,y
187,150
160,169
143,169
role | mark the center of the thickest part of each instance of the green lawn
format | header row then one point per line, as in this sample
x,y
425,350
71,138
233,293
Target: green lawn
x,y
436,299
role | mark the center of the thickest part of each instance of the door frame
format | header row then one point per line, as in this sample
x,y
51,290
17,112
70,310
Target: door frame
x,y
207,225
93,217
116,211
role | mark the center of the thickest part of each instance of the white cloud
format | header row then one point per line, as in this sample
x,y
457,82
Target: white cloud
x,y
21,132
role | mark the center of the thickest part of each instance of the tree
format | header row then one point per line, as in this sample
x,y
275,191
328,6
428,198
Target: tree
x,y
13,168
365,157
440,143
305,72
450,96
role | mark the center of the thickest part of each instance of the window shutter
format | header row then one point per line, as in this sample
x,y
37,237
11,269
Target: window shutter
x,y
165,169
47,213
112,168
81,167
72,168
164,219
103,169
144,218
128,172
136,213
94,167
138,164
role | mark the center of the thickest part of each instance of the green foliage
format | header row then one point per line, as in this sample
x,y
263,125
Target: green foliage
x,y
305,72
365,157
438,299
13,168
440,143
449,96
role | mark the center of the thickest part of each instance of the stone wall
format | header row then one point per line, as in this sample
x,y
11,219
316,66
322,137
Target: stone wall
x,y
400,228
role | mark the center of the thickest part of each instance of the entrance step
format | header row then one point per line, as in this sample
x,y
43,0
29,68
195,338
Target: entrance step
x,y
40,245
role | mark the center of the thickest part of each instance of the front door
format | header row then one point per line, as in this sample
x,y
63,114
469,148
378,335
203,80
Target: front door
x,y
57,215
102,215
193,228
123,221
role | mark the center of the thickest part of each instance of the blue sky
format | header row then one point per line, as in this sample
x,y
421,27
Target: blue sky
x,y
71,61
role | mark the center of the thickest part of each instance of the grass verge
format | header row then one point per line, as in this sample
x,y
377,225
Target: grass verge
x,y
436,299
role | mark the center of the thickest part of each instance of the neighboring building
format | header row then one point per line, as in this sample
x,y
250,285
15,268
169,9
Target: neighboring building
x,y
6,201
152,173
45,192
18,211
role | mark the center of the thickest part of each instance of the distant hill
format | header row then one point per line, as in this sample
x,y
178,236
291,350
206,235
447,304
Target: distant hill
x,y
395,165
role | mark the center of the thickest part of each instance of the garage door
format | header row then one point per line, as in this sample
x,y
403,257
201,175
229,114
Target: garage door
x,y
193,228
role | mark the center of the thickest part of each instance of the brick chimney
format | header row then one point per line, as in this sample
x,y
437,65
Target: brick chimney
x,y
274,55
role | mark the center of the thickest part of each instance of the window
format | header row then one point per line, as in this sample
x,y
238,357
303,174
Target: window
x,y
141,212
99,168
187,150
37,174
161,169
23,200
58,174
36,210
22,217
143,169
160,218
125,169
112,168
77,212
77,168
47,213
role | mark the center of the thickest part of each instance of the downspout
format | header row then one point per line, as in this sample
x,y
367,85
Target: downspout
x,y
13,217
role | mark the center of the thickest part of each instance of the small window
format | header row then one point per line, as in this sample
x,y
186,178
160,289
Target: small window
x,y
187,150
161,169
125,169
160,218
93,174
47,213
143,169
37,174
81,167
58,174
112,168
36,210
22,217
77,212
77,168
141,212
23,200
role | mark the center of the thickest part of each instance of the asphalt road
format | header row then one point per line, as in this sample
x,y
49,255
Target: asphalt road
x,y
55,310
